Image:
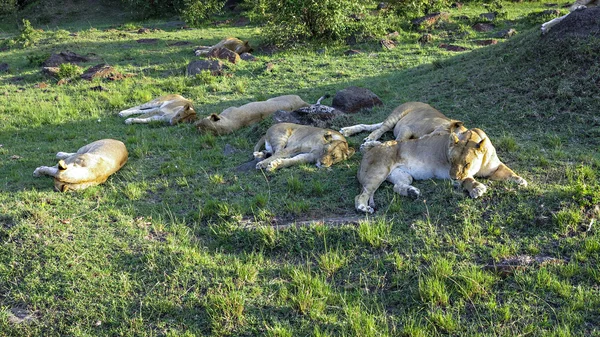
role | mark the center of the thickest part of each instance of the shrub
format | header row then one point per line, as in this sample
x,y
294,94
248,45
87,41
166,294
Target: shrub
x,y
288,21
68,71
29,35
8,6
193,12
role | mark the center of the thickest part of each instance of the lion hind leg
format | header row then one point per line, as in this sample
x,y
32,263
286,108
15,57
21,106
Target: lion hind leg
x,y
64,155
370,180
286,162
402,181
546,26
503,173
354,129
144,119
140,109
51,171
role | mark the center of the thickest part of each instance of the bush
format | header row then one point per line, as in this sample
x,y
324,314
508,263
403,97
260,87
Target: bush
x,y
29,35
292,20
193,12
68,71
8,7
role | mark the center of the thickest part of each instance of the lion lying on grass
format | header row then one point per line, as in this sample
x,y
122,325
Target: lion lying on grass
x,y
171,109
235,45
443,155
409,120
579,4
293,144
234,118
90,165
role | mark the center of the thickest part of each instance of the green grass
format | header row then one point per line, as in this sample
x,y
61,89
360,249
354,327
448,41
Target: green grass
x,y
179,243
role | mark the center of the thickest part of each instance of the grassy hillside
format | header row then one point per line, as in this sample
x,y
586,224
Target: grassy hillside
x,y
180,243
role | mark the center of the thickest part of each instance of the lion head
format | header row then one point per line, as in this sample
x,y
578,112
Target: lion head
x,y
466,153
334,151
185,115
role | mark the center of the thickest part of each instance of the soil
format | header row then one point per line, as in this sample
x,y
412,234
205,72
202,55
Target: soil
x,y
580,23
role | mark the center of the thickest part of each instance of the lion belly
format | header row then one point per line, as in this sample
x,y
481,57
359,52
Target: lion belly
x,y
423,170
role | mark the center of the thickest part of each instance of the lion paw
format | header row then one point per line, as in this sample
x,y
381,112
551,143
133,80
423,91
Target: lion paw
x,y
413,192
261,165
368,145
258,154
274,164
365,209
129,121
345,132
37,173
478,190
521,182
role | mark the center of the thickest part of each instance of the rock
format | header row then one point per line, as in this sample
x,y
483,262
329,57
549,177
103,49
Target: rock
x,y
388,44
98,71
580,24
21,316
393,35
3,67
485,42
425,38
196,67
247,57
224,54
248,166
179,43
354,99
282,116
320,119
143,31
458,5
431,19
483,27
98,88
453,48
350,52
147,41
50,71
228,150
505,34
64,57
488,16
382,5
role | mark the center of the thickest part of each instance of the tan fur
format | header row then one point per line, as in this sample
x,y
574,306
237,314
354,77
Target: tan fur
x,y
292,144
231,43
234,118
90,165
579,4
409,120
171,109
442,155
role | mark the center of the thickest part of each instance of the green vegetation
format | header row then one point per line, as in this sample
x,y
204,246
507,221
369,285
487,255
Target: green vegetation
x,y
180,243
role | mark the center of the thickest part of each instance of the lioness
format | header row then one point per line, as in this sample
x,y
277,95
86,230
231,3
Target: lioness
x,y
90,165
234,118
579,4
292,144
409,120
170,109
231,43
443,155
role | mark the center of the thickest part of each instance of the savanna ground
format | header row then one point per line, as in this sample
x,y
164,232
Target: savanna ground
x,y
179,243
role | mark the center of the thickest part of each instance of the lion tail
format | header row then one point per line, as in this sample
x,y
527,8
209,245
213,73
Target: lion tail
x,y
322,98
260,143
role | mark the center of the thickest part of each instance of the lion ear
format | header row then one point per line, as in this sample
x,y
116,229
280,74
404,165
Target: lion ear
x,y
62,165
328,136
454,138
455,125
481,144
214,118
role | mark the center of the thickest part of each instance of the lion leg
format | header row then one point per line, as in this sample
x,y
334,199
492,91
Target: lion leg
x,y
351,130
51,171
370,180
475,188
140,109
286,162
281,154
546,26
64,155
503,173
144,119
402,181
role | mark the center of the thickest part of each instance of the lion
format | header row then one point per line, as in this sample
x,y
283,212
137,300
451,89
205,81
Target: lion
x,y
234,44
409,120
234,118
171,109
443,155
90,165
292,144
579,4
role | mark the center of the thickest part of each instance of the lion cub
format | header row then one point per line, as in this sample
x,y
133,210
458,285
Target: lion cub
x,y
292,144
442,155
234,118
171,109
409,120
235,45
90,165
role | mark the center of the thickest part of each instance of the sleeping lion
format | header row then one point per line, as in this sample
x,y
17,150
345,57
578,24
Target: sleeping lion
x,y
443,155
409,120
171,109
293,144
90,165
